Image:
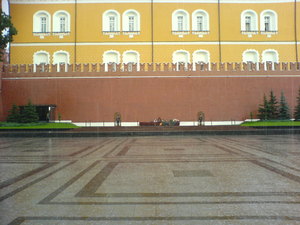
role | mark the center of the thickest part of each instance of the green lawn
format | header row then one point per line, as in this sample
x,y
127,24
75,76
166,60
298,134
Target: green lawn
x,y
271,123
4,125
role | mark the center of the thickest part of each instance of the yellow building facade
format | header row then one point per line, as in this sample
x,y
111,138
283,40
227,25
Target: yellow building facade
x,y
158,31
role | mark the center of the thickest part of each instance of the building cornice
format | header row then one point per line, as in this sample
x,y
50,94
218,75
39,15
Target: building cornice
x,y
155,43
147,1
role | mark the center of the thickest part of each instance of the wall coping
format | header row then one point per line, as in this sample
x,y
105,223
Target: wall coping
x,y
146,69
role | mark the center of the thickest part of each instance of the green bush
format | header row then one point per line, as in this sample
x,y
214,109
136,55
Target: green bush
x,y
29,114
284,110
14,114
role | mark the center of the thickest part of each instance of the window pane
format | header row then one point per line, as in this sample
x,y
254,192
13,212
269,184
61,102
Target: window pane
x,y
62,24
112,23
131,23
248,23
43,24
180,23
267,23
200,23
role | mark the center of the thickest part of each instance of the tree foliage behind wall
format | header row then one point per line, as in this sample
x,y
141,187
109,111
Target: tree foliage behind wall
x,y
7,30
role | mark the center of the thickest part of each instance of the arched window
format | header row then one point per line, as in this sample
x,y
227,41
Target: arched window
x,y
61,23
131,57
251,56
181,58
131,23
249,22
41,58
41,24
61,57
111,23
200,22
269,57
201,57
268,22
111,57
180,22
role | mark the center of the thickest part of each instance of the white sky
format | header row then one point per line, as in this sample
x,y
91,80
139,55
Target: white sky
x,y
5,6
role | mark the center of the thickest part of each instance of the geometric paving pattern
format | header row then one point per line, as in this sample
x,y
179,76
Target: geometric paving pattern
x,y
150,180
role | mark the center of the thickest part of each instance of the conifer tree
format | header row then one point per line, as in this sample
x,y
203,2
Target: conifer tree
x,y
297,109
29,114
14,114
263,110
273,107
284,110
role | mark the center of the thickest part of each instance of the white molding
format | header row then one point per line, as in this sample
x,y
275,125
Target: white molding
x,y
42,51
61,51
149,77
202,50
55,21
155,43
251,50
184,51
137,54
107,63
274,20
112,51
186,22
243,28
125,22
206,19
105,20
36,25
136,124
147,1
270,50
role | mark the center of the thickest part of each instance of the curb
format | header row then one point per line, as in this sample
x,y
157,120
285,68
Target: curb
x,y
50,134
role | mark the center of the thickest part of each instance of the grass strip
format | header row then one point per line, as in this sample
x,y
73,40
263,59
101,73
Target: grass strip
x,y
271,124
5,125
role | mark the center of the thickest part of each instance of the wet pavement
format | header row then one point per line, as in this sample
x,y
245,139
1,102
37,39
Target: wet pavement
x,y
156,180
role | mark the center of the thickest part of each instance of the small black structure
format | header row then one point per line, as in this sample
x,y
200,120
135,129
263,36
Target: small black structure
x,y
46,112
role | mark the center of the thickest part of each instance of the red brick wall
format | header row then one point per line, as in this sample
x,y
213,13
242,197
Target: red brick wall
x,y
144,99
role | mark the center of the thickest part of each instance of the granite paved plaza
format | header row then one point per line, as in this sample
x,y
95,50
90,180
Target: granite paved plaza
x,y
162,180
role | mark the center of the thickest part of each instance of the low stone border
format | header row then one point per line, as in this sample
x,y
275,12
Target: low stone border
x,y
31,134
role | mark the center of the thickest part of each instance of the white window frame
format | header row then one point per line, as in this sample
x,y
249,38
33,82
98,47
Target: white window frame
x,y
245,60
185,23
126,23
106,23
106,64
35,57
195,62
273,22
205,22
37,24
125,61
249,13
178,63
264,60
54,60
57,23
